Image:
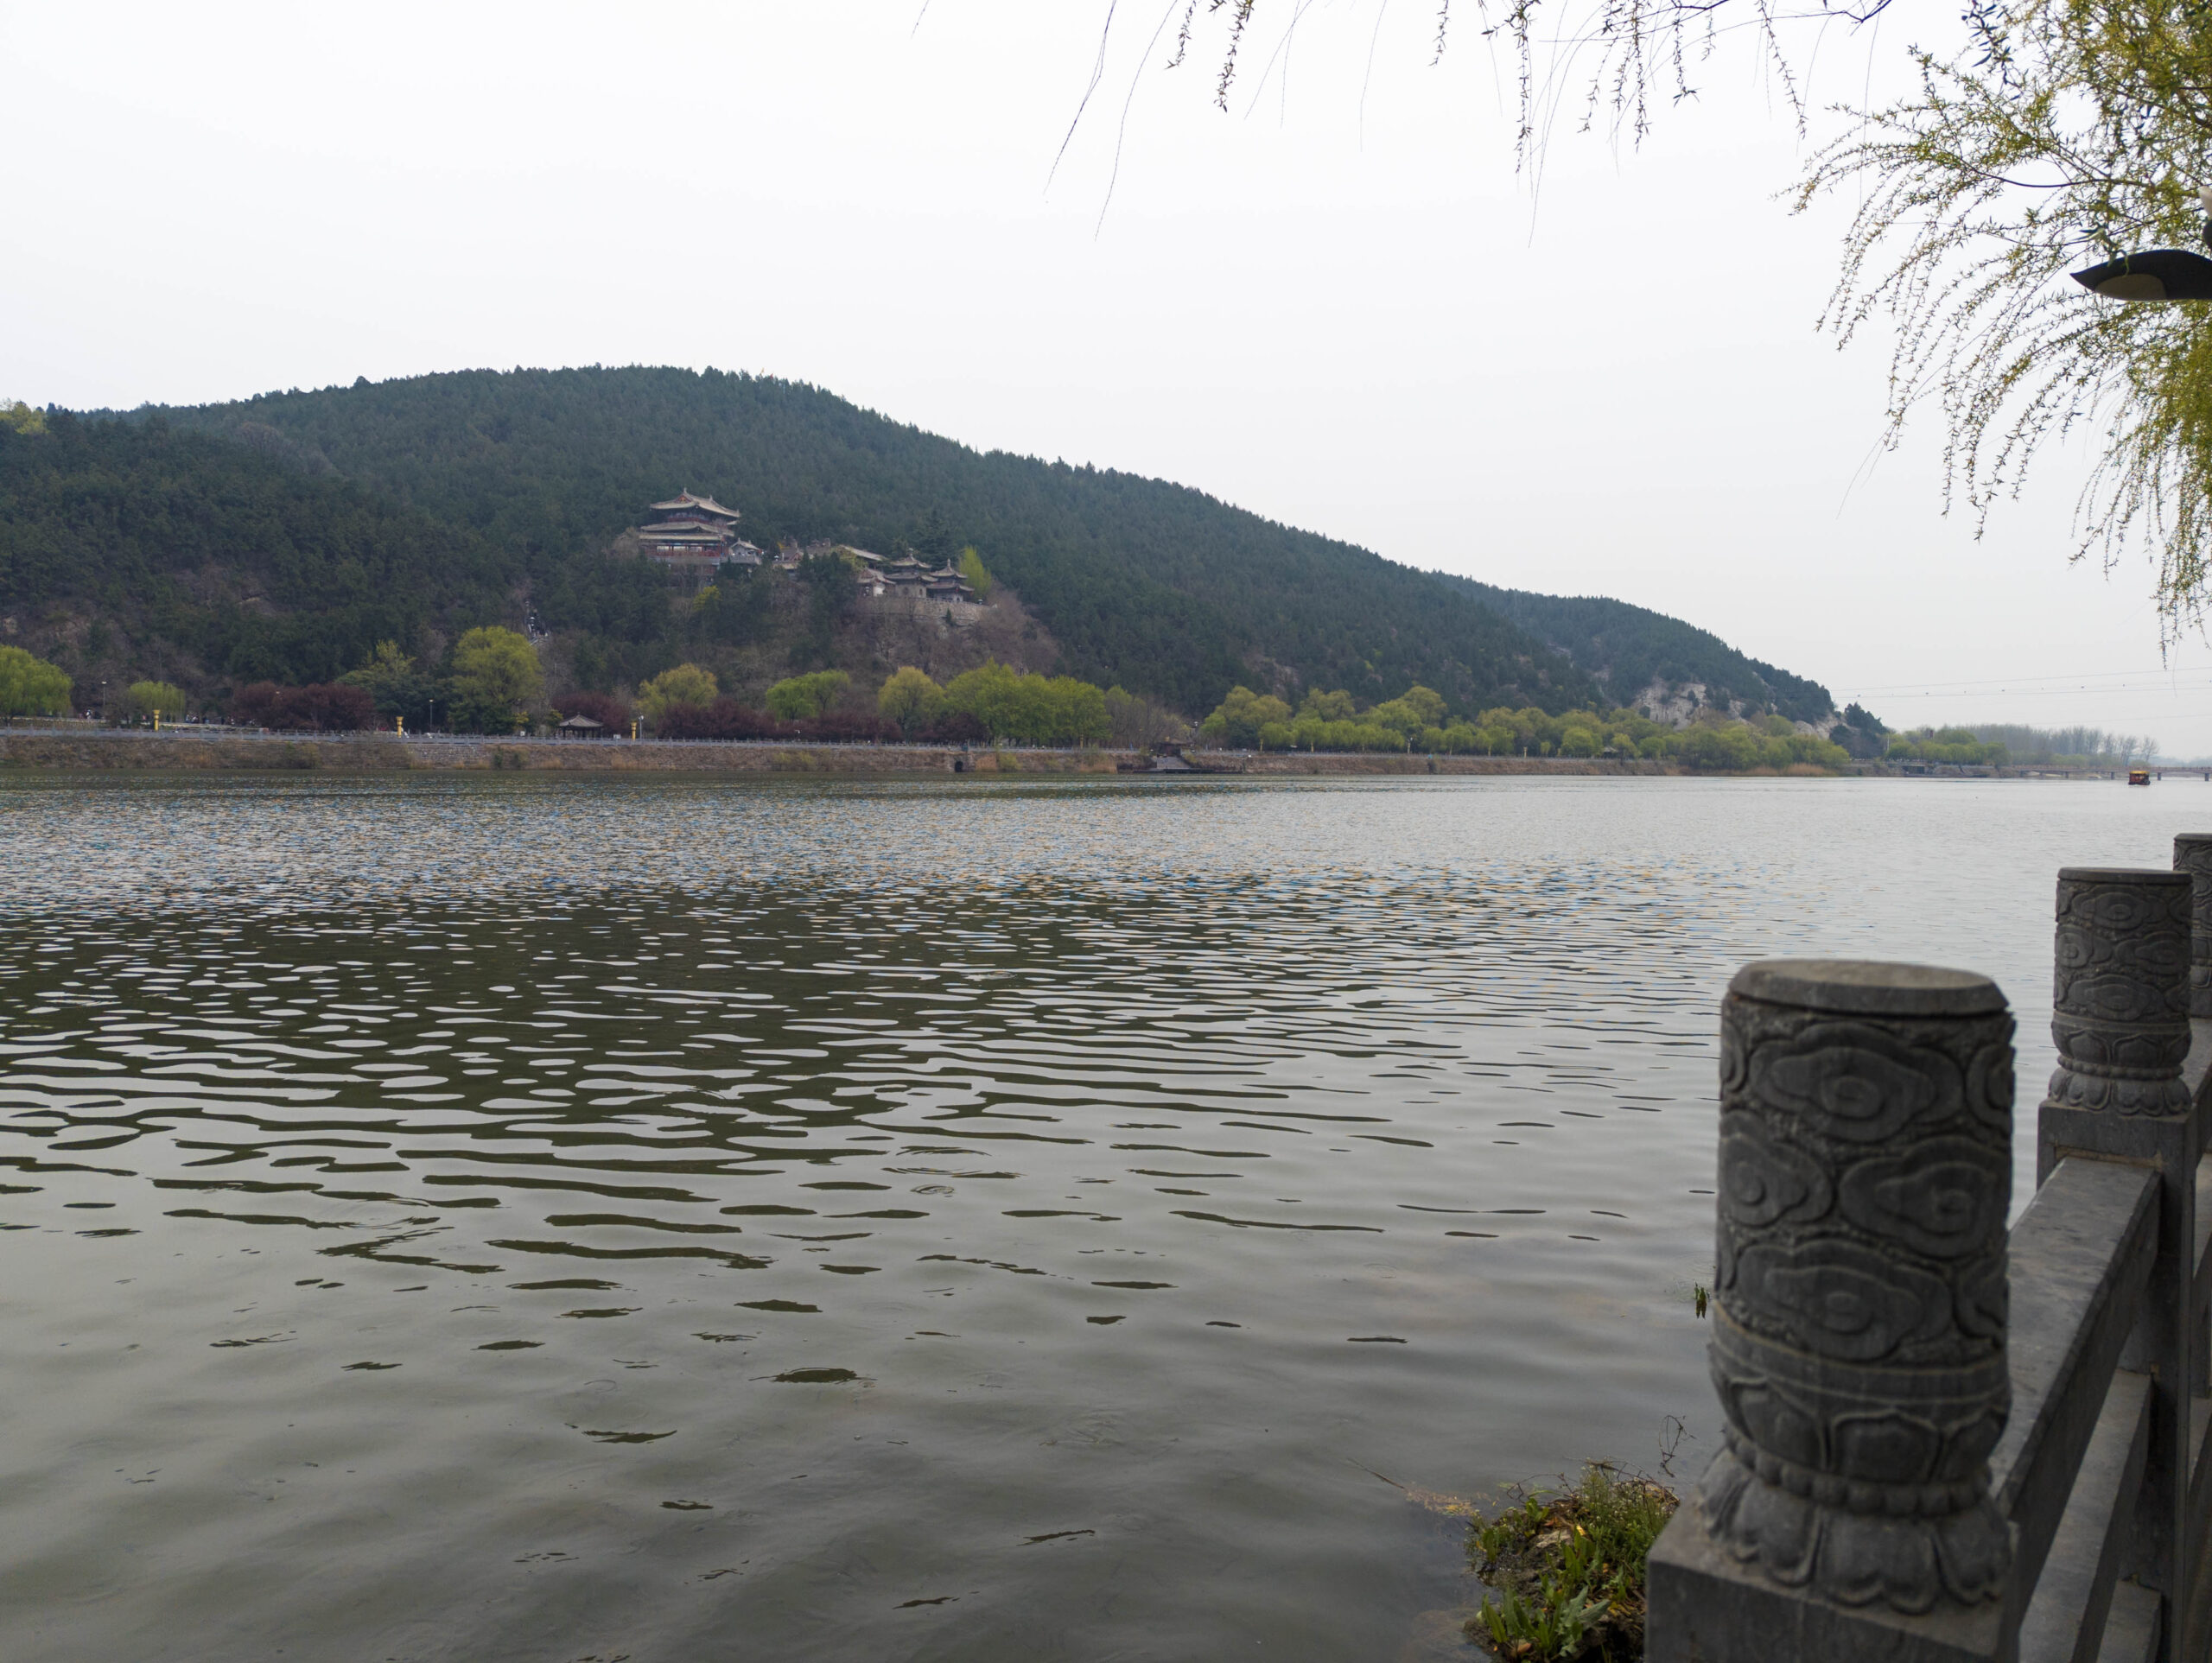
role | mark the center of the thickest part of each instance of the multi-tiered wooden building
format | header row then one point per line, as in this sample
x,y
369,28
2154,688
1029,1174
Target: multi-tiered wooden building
x,y
908,578
694,534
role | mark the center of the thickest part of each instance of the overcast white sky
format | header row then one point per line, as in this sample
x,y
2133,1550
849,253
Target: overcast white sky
x,y
1339,306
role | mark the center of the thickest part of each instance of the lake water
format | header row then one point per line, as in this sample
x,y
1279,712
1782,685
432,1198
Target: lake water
x,y
555,1219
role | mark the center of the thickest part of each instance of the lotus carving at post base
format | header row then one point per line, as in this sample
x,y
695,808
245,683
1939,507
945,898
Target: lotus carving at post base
x,y
1809,1462
1772,1418
1856,1559
2121,1070
1885,1448
1881,1447
2084,1042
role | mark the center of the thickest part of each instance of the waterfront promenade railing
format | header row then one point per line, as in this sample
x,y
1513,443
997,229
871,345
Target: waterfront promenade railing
x,y
1946,1441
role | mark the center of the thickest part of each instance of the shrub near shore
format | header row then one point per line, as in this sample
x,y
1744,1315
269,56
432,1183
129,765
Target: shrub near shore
x,y
1568,1569
1950,745
323,707
30,686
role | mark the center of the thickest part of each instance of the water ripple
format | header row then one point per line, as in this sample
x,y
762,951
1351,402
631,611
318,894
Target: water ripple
x,y
434,1178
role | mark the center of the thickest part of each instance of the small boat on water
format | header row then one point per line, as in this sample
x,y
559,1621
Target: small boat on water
x,y
2139,775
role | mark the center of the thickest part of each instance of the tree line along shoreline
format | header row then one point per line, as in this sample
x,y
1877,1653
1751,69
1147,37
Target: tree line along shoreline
x,y
84,747
492,686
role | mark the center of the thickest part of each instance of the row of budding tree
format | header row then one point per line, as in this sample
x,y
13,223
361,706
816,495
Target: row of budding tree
x,y
489,682
2000,743
992,703
1416,720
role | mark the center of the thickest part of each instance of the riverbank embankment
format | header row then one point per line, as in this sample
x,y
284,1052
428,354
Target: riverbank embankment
x,y
223,752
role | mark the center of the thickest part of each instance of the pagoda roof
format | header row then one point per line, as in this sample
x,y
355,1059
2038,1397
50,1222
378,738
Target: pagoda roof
x,y
684,499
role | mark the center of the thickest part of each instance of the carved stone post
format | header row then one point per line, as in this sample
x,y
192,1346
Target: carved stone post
x,y
2121,991
2119,1013
1858,1325
2193,855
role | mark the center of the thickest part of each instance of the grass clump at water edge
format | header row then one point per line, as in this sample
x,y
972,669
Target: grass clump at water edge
x,y
1567,1569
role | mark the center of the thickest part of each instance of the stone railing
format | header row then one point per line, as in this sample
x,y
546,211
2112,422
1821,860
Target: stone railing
x,y
1916,1466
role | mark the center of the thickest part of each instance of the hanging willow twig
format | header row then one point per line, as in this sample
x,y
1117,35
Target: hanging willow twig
x,y
2062,132
1614,57
2066,133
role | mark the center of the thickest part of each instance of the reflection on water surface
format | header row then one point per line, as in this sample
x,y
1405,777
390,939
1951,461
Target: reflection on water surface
x,y
553,1219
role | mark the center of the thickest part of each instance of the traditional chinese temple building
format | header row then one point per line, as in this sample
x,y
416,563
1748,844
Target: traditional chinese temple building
x,y
908,577
690,533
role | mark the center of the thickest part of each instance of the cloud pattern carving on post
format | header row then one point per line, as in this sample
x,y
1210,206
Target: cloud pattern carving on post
x,y
1859,1324
2193,854
2119,1002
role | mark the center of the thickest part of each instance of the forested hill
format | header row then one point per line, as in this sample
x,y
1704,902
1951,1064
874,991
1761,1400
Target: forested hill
x,y
1627,648
283,537
1162,588
132,548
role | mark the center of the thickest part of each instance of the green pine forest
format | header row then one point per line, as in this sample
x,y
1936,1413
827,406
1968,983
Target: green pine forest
x,y
1628,648
281,538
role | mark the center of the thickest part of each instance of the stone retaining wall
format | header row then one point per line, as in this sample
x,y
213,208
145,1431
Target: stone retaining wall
x,y
1324,762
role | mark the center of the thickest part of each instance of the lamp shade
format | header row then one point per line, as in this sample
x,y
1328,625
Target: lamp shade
x,y
2158,274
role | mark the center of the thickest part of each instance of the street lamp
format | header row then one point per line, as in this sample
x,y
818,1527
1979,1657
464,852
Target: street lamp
x,y
2158,274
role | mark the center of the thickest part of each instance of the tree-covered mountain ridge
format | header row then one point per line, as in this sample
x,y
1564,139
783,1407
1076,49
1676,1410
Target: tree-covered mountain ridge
x,y
507,488
1646,660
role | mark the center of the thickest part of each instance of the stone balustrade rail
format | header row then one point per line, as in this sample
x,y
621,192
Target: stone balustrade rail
x,y
1945,1441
